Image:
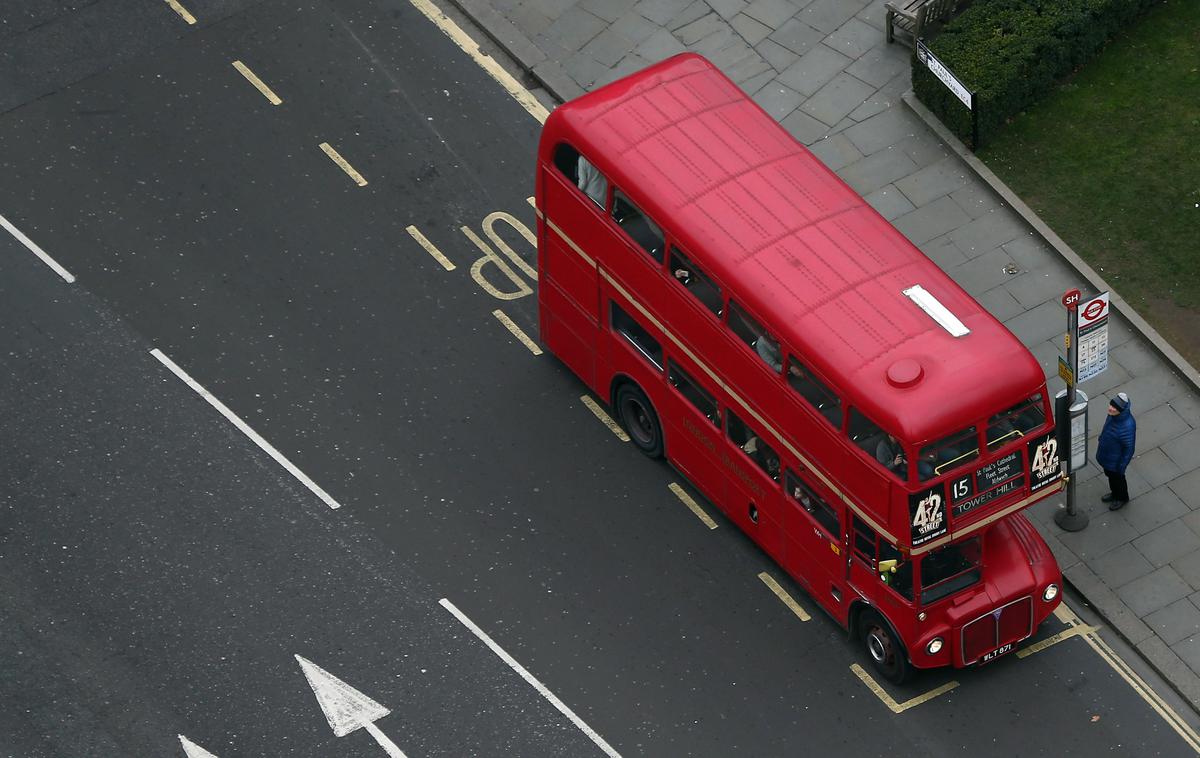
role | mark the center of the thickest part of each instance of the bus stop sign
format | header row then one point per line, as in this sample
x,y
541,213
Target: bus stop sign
x,y
1071,298
1092,338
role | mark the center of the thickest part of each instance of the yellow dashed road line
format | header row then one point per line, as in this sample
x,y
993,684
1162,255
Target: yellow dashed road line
x,y
613,426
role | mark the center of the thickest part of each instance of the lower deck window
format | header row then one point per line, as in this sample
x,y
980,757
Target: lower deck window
x,y
631,330
949,569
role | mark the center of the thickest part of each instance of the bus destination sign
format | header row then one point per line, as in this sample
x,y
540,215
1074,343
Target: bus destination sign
x,y
995,480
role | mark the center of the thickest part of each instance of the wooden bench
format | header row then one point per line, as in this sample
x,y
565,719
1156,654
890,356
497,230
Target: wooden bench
x,y
911,16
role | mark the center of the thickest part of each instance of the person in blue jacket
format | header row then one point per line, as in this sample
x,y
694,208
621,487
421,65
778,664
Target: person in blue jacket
x,y
1115,449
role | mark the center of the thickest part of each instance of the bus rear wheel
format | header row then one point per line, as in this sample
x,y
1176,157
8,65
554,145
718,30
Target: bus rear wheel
x,y
639,419
883,647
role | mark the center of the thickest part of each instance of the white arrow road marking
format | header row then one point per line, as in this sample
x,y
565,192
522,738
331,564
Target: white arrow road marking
x,y
528,677
192,750
346,708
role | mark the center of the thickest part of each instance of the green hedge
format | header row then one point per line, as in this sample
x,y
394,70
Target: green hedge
x,y
1011,53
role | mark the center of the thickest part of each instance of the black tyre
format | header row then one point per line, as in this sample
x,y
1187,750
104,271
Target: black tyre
x,y
884,649
639,419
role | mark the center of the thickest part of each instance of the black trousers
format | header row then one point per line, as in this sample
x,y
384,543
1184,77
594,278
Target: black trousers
x,y
1118,485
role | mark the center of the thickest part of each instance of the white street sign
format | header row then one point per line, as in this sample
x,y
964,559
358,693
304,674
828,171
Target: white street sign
x,y
192,750
938,69
345,708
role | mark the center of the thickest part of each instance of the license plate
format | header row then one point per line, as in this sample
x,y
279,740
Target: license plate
x,y
997,653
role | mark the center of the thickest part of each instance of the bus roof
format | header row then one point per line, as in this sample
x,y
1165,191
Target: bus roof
x,y
798,247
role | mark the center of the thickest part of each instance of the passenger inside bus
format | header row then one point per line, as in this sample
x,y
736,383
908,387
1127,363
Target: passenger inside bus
x,y
592,182
762,455
768,350
695,281
891,455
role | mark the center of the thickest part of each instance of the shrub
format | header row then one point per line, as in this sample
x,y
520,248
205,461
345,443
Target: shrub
x,y
1012,52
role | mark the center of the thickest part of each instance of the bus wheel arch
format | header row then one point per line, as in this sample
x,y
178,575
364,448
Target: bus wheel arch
x,y
638,416
882,645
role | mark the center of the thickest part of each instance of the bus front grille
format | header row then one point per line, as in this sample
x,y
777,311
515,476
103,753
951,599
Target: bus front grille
x,y
1005,625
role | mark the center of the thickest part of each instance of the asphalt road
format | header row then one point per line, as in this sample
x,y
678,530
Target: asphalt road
x,y
160,572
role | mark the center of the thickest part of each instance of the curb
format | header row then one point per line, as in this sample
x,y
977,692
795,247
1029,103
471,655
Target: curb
x,y
549,74
1083,581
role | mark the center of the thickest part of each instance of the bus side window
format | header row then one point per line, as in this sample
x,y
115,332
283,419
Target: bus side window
x,y
881,447
754,335
693,393
695,281
815,392
582,173
640,229
632,331
752,445
815,505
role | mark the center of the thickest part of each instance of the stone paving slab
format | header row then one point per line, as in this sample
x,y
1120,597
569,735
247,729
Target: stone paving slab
x,y
823,69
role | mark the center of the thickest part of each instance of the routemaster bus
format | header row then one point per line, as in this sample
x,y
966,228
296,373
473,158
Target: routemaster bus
x,y
841,399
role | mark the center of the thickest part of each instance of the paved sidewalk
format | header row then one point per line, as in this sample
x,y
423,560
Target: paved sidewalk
x,y
822,68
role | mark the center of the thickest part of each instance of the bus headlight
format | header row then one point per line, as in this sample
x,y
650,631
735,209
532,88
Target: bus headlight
x,y
935,646
1050,592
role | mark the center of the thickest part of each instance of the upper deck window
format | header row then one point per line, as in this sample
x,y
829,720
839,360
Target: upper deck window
x,y
695,281
948,453
582,174
814,391
753,334
638,226
883,448
1019,420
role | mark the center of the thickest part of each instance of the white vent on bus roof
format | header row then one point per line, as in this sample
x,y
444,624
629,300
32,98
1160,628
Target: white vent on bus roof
x,y
938,312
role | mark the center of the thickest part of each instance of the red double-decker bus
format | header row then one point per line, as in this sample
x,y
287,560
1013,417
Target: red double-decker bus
x,y
840,398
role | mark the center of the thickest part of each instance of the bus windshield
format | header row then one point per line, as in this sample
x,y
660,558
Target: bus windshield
x,y
949,569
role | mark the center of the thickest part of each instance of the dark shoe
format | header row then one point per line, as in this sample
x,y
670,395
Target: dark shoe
x,y
1116,505
1107,498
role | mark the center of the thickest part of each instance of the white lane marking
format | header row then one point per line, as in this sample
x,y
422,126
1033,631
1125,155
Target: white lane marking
x,y
517,331
343,164
254,436
531,679
192,750
33,248
345,708
183,12
469,46
259,84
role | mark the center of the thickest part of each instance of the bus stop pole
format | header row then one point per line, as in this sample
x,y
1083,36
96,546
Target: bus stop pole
x,y
1070,519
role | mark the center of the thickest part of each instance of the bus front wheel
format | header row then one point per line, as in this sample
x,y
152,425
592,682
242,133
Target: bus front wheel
x,y
883,647
639,419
